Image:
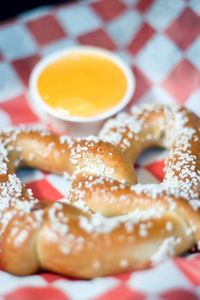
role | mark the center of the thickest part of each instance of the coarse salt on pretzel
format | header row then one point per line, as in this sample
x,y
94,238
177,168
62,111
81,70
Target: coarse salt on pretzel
x,y
121,225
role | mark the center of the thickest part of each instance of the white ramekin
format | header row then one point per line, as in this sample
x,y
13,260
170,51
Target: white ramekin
x,y
77,126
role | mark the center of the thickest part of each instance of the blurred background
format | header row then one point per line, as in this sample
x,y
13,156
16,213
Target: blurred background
x,y
159,39
11,8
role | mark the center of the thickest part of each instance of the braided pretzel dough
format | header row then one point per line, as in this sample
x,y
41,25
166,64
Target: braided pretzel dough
x,y
121,225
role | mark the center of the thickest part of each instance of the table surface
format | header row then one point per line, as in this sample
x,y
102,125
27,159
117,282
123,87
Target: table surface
x,y
161,41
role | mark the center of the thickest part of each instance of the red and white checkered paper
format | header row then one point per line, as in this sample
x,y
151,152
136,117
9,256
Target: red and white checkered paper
x,y
160,39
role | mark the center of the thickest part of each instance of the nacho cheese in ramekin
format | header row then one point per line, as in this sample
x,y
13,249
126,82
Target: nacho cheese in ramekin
x,y
80,87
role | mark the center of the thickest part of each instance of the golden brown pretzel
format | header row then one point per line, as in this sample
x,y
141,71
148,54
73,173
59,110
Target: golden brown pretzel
x,y
122,225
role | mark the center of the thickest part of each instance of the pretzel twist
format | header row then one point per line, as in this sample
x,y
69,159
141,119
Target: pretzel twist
x,y
121,225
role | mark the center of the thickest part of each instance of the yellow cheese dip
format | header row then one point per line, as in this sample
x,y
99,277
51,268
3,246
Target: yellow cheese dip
x,y
82,84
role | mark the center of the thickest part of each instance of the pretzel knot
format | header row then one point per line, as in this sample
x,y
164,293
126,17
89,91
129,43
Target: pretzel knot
x,y
109,224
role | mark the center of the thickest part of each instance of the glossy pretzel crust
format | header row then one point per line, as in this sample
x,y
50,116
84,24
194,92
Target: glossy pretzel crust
x,y
109,223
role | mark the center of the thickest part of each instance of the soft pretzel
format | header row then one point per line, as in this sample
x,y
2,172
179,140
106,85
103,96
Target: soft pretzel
x,y
121,225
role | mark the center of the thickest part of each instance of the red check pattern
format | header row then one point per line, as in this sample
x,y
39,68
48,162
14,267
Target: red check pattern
x,y
161,41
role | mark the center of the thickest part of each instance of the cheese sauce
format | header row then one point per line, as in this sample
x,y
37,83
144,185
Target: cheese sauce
x,y
82,85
